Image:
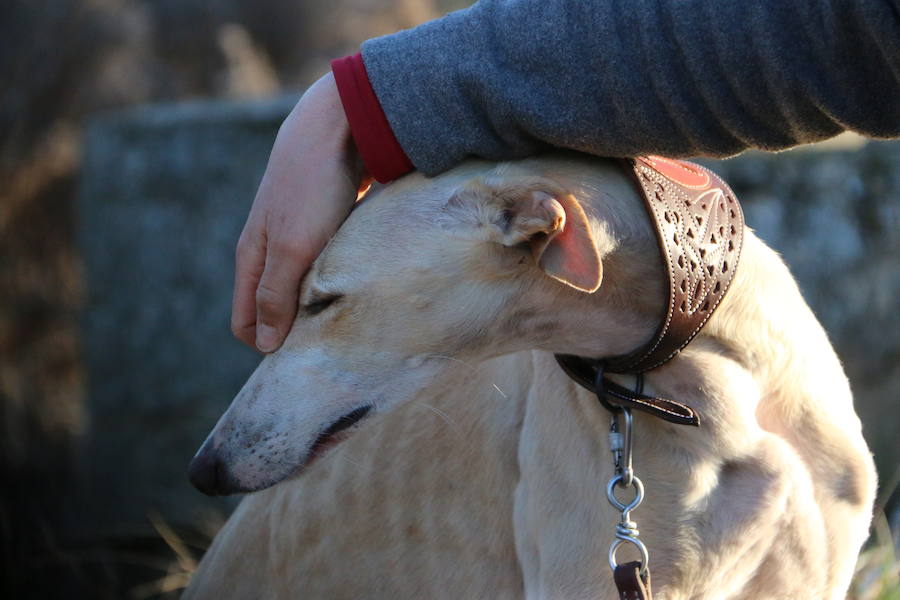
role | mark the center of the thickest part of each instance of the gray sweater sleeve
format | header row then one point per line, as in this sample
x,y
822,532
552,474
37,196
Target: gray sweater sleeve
x,y
505,78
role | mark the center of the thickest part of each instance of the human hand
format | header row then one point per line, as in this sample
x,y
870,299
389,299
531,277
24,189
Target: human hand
x,y
310,184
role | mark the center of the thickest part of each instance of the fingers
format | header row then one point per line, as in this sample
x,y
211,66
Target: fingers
x,y
307,190
276,294
250,260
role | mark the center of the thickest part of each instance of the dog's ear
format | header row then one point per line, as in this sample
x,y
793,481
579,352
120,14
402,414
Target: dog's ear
x,y
540,213
567,251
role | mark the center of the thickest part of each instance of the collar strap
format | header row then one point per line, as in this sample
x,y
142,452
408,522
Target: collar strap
x,y
589,373
699,226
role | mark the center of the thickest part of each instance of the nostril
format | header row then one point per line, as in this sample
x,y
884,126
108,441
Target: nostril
x,y
203,472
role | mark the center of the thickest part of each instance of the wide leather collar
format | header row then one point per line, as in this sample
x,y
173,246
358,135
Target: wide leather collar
x,y
699,227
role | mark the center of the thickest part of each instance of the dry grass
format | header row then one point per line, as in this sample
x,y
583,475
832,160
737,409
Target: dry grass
x,y
877,574
184,555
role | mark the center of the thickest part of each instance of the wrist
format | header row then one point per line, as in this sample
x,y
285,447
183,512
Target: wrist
x,y
318,122
338,123
372,135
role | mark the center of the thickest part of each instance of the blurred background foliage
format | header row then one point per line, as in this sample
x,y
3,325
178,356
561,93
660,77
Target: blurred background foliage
x,y
60,61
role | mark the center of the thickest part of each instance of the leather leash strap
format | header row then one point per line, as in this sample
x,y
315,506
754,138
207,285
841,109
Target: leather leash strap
x,y
630,584
699,226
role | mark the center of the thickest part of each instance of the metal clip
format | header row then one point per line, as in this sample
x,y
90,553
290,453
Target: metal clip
x,y
621,442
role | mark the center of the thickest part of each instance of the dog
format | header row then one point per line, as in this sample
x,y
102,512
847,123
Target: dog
x,y
471,466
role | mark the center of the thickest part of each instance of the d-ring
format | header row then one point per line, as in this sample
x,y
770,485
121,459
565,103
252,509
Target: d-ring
x,y
645,556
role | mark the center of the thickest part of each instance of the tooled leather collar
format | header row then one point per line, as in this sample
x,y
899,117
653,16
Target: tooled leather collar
x,y
699,226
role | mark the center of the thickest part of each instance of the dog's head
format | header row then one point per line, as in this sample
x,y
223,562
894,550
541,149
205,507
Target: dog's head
x,y
475,263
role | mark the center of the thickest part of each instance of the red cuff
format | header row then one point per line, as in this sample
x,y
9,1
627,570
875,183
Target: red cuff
x,y
379,148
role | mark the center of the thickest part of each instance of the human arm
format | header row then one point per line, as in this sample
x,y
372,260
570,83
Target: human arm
x,y
507,78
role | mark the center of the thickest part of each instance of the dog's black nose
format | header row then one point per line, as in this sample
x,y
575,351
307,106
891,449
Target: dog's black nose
x,y
205,471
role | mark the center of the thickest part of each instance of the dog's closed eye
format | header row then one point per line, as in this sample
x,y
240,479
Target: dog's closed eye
x,y
319,304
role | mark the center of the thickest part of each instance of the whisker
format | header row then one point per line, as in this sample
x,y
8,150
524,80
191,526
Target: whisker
x,y
445,417
356,463
476,368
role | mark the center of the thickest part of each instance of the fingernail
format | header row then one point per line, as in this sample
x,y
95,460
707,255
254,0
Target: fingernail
x,y
266,338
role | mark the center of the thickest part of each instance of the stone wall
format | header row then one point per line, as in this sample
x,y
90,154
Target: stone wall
x,y
166,190
164,195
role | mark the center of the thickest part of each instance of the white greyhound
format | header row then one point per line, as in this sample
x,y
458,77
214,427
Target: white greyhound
x,y
479,470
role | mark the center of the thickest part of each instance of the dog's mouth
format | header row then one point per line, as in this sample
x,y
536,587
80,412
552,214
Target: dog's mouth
x,y
336,433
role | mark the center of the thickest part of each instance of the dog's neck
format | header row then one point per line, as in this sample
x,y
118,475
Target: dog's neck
x,y
747,383
628,308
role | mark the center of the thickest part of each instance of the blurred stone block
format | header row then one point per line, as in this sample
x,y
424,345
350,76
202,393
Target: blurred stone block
x,y
164,195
